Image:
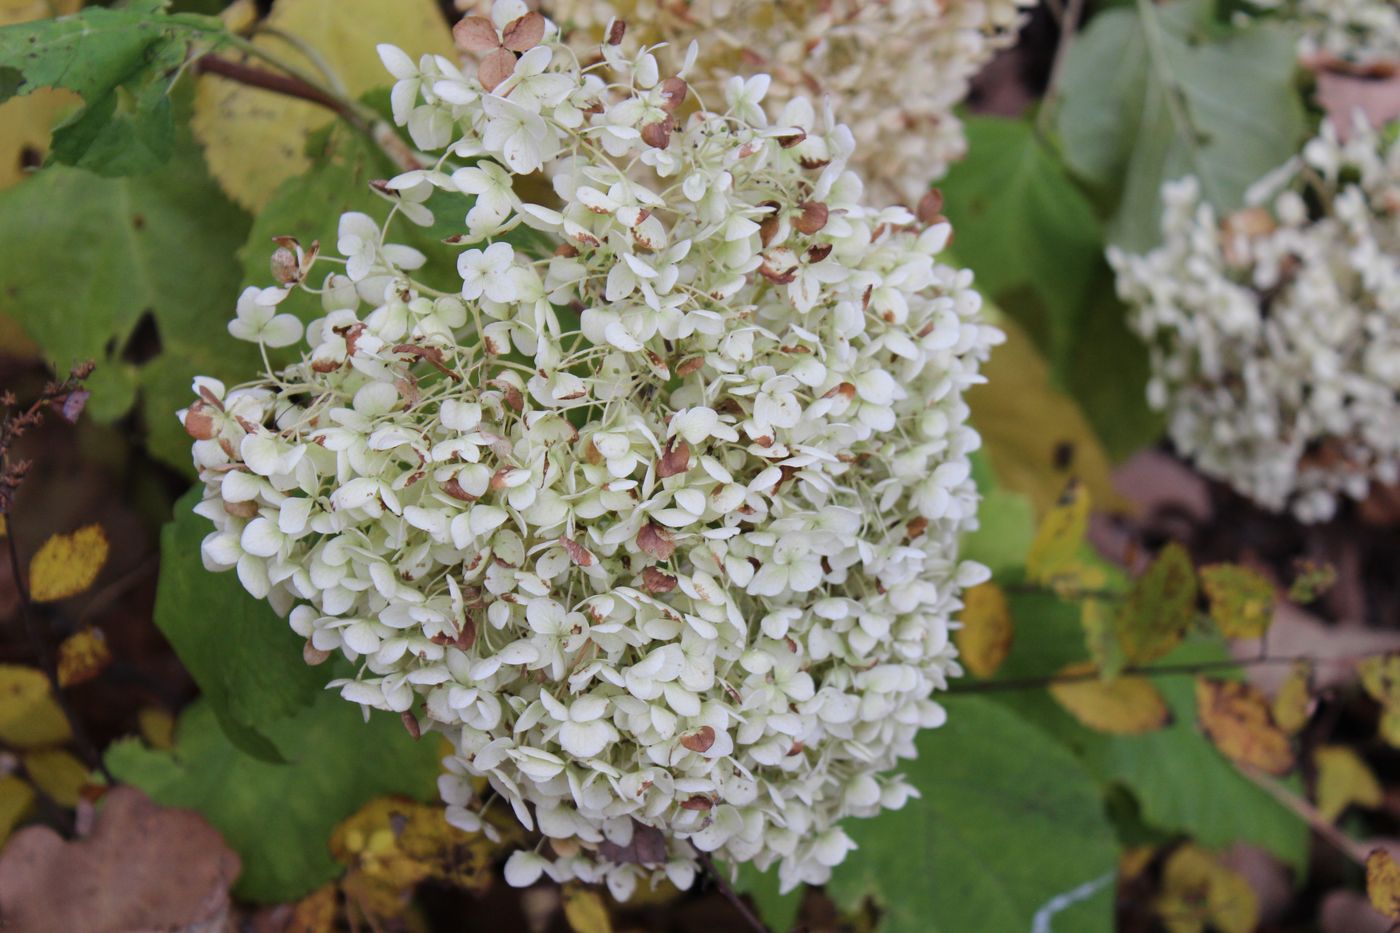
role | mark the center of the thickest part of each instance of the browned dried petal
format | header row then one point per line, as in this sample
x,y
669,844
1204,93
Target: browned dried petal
x,y
313,655
455,490
768,228
513,397
431,355
674,460
698,802
690,365
787,142
285,268
818,252
495,68
247,509
812,216
476,34
657,135
930,206
701,740
199,424
656,541
657,581
410,722
523,34
776,277
916,527
577,552
673,91
616,31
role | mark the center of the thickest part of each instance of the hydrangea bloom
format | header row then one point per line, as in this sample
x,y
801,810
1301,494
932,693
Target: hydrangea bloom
x,y
659,524
1357,32
1275,335
895,69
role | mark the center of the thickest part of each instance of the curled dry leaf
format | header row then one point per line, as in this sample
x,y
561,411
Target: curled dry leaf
x,y
984,640
1122,706
1237,719
67,565
524,33
476,34
495,67
144,867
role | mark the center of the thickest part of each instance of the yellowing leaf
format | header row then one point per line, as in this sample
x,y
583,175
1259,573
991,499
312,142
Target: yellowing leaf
x,y
16,801
985,637
1293,702
253,139
29,715
157,727
1200,893
1312,581
1381,678
1124,706
1160,607
1343,779
66,565
1236,716
57,773
1101,637
585,910
1241,600
1055,548
314,913
26,122
1383,883
82,656
1036,436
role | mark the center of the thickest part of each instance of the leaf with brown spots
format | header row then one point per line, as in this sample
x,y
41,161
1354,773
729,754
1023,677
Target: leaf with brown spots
x,y
1237,719
1160,607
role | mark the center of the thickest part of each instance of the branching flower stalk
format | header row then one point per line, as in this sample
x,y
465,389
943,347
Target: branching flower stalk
x,y
660,529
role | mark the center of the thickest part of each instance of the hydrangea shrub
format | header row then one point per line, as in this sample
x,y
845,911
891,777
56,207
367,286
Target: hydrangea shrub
x,y
1275,332
1360,33
660,528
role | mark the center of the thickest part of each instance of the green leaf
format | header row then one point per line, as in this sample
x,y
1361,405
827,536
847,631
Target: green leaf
x,y
1008,821
83,258
278,817
1005,523
1152,92
1027,232
1159,608
247,662
121,62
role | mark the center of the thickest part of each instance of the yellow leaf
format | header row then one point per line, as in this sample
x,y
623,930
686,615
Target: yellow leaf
x,y
1237,719
26,122
1200,893
1343,779
16,801
314,913
1381,678
29,715
1124,706
1055,548
1293,702
57,773
1241,600
585,910
253,139
82,656
157,727
1035,435
985,637
1383,883
1389,728
67,565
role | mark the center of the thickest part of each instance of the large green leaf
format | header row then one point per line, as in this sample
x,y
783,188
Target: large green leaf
x,y
1008,822
1153,92
1026,230
279,817
247,662
121,62
83,258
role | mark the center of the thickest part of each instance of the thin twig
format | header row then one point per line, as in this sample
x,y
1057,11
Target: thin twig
x,y
1069,25
1304,810
728,891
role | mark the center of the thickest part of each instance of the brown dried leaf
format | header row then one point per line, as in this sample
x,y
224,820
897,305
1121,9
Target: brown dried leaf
x,y
1237,719
987,629
495,67
124,873
523,34
476,34
656,541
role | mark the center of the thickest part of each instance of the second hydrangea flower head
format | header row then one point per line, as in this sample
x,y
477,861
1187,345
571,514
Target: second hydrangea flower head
x,y
659,524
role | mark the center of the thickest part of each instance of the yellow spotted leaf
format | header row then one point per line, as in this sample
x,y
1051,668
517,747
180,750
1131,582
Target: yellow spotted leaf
x,y
1036,436
1123,706
1237,718
1200,893
16,801
27,121
29,715
985,637
1241,600
1293,702
1383,883
253,139
1159,608
1055,548
57,773
585,910
1343,779
314,913
67,565
82,656
157,727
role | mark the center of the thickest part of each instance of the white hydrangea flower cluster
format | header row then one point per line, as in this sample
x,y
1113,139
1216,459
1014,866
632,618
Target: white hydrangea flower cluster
x,y
1275,335
895,69
660,529
1357,32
